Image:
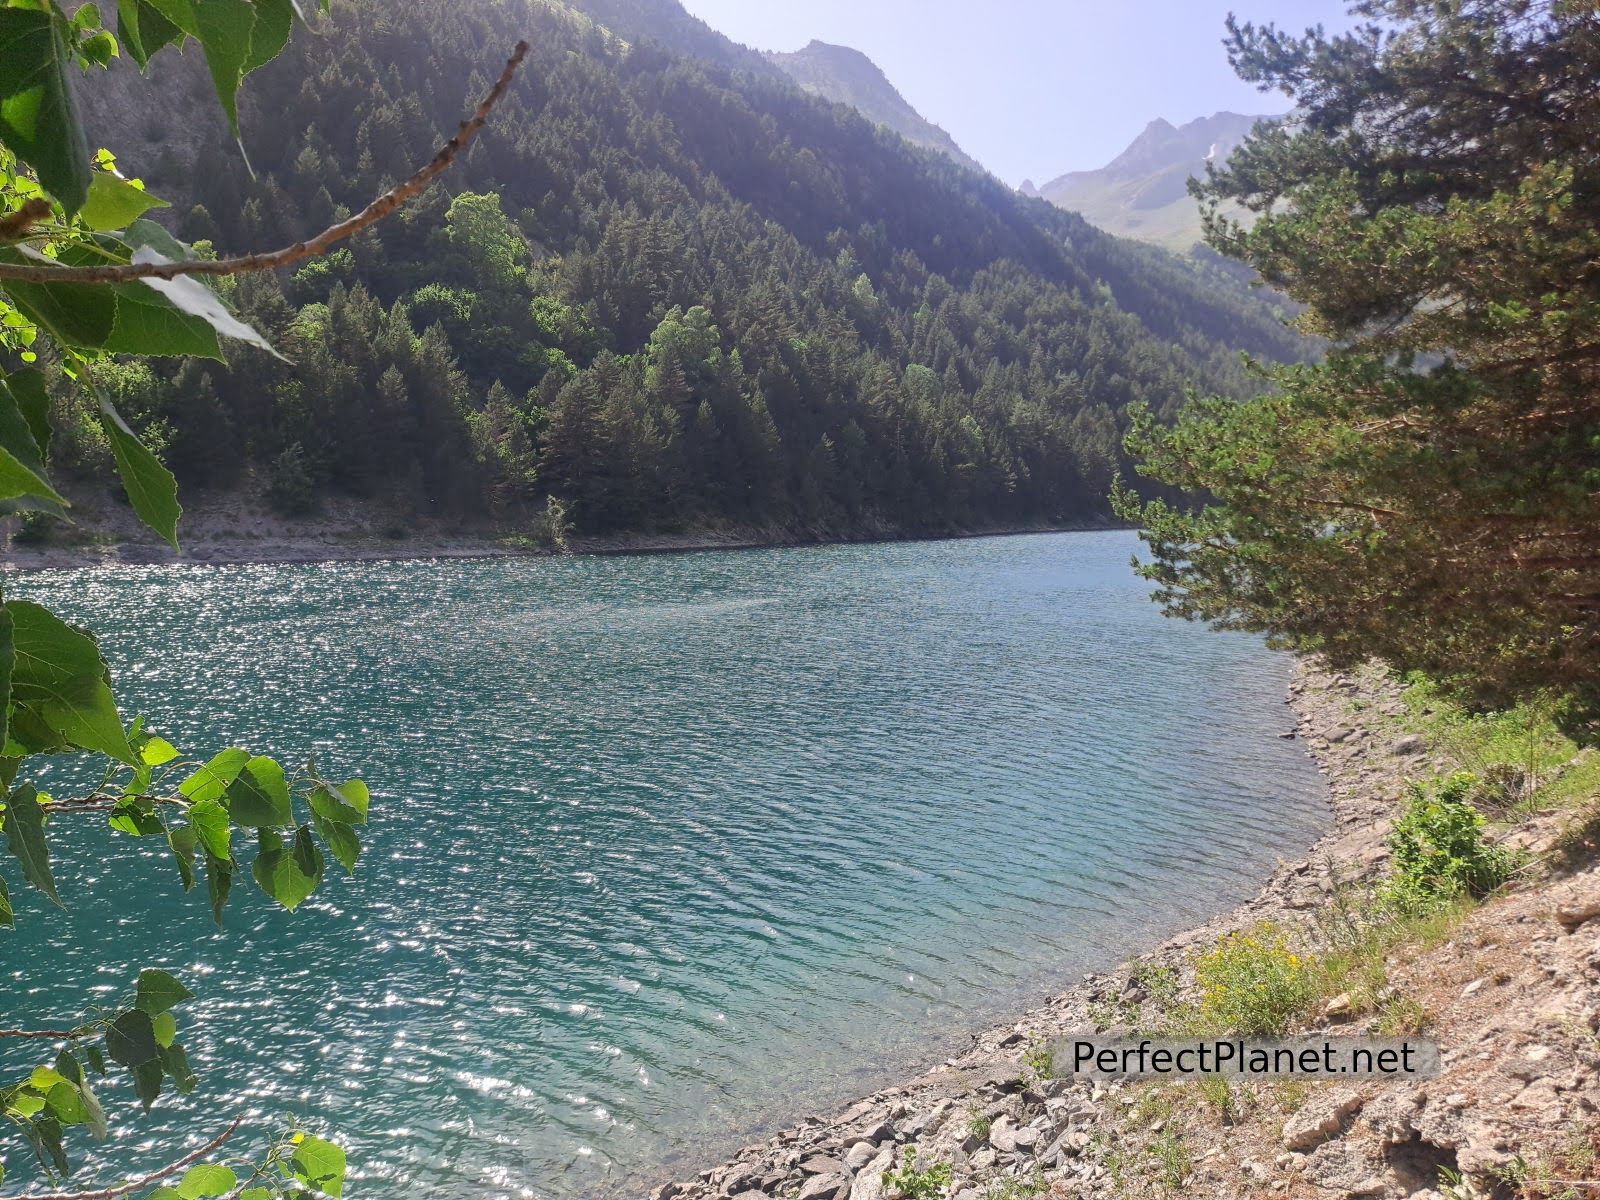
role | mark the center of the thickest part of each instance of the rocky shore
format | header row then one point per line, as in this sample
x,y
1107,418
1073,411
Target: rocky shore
x,y
1513,997
238,528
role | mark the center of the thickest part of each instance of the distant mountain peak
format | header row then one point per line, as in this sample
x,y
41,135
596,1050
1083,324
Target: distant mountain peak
x,y
1143,192
845,75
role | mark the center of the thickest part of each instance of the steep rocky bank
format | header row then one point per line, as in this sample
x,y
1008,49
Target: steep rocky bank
x,y
1512,994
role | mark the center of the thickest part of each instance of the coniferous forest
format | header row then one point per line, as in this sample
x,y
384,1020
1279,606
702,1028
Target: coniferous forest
x,y
669,292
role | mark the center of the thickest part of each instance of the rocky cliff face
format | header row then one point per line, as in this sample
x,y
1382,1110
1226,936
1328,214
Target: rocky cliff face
x,y
1143,192
848,76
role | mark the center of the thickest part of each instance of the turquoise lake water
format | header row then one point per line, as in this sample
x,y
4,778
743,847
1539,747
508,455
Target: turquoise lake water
x,y
664,850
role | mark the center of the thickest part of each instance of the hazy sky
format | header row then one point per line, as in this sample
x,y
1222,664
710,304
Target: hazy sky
x,y
1035,88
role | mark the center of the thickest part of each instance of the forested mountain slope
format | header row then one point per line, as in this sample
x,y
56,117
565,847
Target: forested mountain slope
x,y
666,291
848,76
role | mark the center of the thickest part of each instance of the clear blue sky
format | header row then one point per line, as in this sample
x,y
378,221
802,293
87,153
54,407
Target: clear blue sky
x,y
1034,88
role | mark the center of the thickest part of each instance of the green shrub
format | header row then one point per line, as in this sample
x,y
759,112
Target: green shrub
x,y
1440,853
927,1183
1254,983
34,529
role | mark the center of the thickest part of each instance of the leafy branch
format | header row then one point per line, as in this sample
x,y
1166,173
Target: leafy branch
x,y
148,264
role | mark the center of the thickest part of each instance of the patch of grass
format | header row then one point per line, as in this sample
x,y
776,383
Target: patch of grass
x,y
1023,1187
1038,1062
979,1122
1161,982
1173,1160
1528,736
1570,1172
1222,1096
911,1182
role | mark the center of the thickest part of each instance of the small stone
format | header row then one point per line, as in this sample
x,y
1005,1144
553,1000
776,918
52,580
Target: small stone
x,y
825,1187
1471,988
883,1131
821,1166
1340,1006
859,1155
1411,743
1571,916
1003,1135
1319,1121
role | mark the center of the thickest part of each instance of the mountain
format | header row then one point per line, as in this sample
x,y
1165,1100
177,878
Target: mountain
x,y
1143,192
848,76
662,292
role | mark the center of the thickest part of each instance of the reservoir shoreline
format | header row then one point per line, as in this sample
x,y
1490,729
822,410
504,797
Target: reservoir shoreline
x,y
1051,1124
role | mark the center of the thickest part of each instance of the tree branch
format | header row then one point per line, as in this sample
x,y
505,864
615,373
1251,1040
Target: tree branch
x,y
17,224
123,1189
54,1034
371,215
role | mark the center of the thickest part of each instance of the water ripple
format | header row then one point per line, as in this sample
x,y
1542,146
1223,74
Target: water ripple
x,y
664,849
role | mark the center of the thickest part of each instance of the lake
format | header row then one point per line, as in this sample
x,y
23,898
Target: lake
x,y
664,850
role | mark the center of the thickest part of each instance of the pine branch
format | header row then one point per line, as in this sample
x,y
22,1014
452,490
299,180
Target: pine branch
x,y
371,215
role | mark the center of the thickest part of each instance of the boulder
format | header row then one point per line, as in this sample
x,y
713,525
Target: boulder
x,y
1319,1121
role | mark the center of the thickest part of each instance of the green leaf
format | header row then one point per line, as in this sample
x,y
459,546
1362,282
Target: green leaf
x,y
212,827
97,1061
288,875
255,1193
136,817
38,120
144,30
156,752
320,1165
183,841
207,1179
270,34
131,1039
348,802
150,486
175,1062
158,991
97,1115
114,203
45,1078
219,882
211,781
77,314
22,471
60,692
68,1067
99,48
66,1101
28,390
342,842
25,836
223,28
26,1104
259,797
147,1082
8,919
166,1027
